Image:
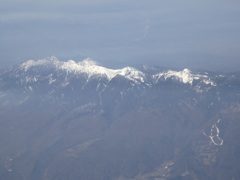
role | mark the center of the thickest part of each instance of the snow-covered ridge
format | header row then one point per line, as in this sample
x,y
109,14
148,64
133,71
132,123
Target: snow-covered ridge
x,y
91,68
185,76
50,61
87,66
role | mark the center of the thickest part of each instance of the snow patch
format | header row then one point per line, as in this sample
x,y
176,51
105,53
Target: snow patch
x,y
214,135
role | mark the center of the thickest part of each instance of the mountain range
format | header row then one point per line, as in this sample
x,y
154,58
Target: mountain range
x,y
80,120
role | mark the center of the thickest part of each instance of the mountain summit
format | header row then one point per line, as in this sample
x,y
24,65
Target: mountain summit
x,y
37,70
80,120
88,67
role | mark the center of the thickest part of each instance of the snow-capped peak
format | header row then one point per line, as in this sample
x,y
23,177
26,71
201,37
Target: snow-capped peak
x,y
91,68
132,74
87,66
88,62
185,76
49,61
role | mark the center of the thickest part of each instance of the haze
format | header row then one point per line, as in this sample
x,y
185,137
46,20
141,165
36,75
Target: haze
x,y
191,33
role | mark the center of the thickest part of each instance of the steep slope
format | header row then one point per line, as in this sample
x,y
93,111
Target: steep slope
x,y
80,120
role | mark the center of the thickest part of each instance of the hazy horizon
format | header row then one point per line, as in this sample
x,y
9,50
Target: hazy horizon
x,y
194,34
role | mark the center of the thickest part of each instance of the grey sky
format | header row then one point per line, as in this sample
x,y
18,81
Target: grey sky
x,y
197,33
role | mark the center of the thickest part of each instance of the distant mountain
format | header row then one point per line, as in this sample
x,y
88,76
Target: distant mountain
x,y
80,120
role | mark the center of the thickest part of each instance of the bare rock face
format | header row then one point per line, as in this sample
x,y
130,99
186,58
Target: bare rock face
x,y
80,120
